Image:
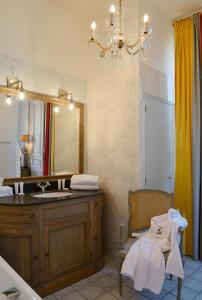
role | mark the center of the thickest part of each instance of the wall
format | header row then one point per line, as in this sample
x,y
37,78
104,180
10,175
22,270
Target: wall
x,y
157,71
44,32
116,119
47,49
114,150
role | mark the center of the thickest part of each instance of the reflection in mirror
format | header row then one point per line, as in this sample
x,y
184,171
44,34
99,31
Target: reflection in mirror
x,y
36,140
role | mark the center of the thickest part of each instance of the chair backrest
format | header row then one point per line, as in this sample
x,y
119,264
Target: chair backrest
x,y
145,204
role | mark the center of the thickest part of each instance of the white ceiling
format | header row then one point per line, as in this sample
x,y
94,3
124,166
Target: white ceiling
x,y
90,8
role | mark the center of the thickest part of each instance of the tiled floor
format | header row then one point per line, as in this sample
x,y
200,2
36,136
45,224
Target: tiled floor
x,y
104,286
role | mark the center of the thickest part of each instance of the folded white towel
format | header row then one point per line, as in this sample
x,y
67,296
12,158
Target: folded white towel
x,y
6,191
84,179
84,187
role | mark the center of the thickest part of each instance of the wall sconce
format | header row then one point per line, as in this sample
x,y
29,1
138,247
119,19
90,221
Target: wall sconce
x,y
64,94
15,83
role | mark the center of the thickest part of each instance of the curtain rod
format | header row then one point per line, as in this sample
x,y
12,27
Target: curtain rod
x,y
189,15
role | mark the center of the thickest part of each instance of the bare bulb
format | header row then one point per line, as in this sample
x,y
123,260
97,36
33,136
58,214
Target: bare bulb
x,y
8,100
112,9
71,106
56,109
146,18
21,94
93,25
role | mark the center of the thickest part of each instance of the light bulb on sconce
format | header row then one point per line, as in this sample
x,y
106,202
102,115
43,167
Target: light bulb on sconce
x,y
71,101
56,109
21,94
71,106
8,100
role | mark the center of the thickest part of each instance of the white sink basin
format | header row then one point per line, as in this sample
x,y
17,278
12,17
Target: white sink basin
x,y
53,195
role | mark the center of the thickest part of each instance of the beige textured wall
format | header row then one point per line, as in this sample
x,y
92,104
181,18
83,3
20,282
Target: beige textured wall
x,y
116,118
114,150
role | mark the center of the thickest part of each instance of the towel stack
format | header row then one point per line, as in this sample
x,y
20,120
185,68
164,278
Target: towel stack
x,y
84,182
6,191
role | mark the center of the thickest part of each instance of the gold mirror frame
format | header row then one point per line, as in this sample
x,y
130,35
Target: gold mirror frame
x,y
54,100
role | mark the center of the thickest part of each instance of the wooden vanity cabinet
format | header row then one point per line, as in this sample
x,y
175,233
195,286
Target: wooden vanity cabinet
x,y
19,247
53,245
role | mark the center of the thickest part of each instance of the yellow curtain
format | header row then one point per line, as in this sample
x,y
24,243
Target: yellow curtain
x,y
183,114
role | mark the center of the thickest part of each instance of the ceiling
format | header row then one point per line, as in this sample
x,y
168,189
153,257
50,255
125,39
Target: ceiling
x,y
172,8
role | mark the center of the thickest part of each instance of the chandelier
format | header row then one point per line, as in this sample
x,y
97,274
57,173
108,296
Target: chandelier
x,y
116,36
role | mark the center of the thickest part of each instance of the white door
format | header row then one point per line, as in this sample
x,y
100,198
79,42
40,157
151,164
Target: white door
x,y
159,144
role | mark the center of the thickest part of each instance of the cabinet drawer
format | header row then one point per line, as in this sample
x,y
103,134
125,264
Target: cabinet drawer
x,y
18,216
58,212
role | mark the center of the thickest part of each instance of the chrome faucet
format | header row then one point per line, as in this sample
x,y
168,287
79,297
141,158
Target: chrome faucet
x,y
43,186
11,293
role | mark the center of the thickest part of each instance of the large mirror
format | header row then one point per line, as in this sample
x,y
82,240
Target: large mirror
x,y
38,140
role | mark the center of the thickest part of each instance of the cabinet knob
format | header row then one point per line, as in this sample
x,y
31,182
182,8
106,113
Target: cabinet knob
x,y
35,257
47,254
96,238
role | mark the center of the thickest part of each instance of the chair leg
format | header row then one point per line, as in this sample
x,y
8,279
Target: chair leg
x,y
179,288
120,280
171,277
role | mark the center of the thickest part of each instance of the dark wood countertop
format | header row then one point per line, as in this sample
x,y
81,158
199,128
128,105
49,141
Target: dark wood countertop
x,y
28,199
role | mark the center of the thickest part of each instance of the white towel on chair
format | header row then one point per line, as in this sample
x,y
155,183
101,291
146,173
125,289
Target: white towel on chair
x,y
145,262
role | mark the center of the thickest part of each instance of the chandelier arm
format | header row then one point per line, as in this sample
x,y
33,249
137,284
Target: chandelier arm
x,y
100,46
131,46
131,53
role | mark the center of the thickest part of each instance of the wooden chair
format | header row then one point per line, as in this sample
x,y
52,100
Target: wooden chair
x,y
143,205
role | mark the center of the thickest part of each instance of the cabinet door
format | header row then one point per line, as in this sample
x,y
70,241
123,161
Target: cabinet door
x,y
19,247
97,228
67,246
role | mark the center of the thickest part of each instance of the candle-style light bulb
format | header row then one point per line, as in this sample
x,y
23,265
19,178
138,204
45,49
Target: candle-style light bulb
x,y
93,28
146,21
146,18
112,11
93,25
